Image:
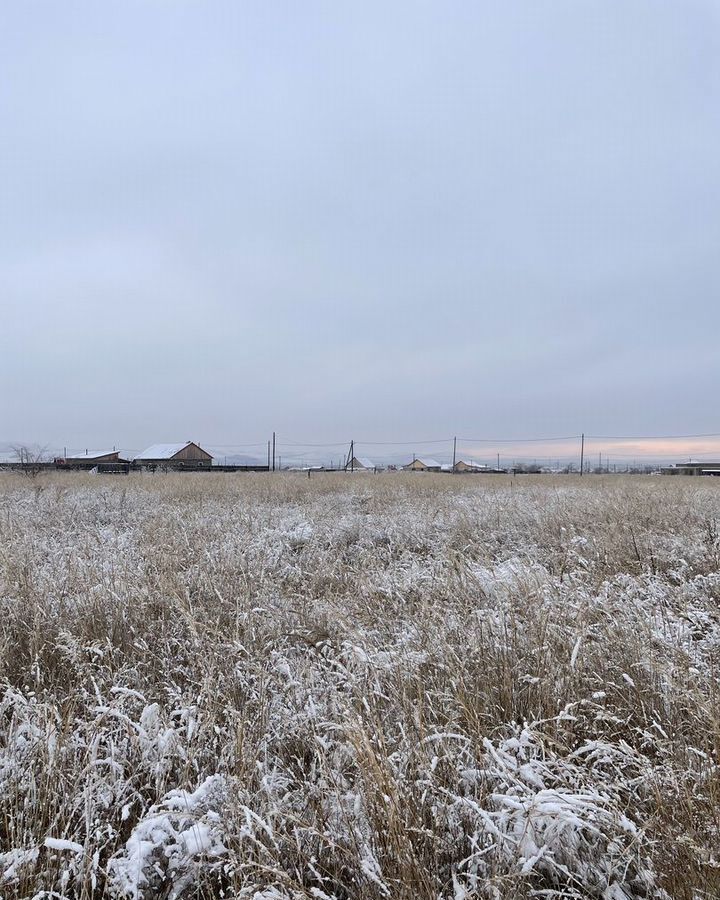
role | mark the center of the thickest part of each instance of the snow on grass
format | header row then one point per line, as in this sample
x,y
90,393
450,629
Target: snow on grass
x,y
271,688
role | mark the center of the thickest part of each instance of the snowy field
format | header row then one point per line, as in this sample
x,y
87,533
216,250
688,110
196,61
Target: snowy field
x,y
392,686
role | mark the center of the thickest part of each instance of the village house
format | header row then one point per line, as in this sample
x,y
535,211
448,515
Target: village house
x,y
469,465
426,464
692,467
91,458
187,455
362,463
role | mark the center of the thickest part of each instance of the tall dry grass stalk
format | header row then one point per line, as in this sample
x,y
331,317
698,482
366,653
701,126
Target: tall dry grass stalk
x,y
411,687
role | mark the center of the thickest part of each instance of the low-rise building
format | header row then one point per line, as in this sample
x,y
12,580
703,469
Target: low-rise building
x,y
692,467
187,455
469,465
362,463
426,464
91,458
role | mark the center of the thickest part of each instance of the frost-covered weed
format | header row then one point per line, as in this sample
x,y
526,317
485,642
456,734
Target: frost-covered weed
x,y
373,687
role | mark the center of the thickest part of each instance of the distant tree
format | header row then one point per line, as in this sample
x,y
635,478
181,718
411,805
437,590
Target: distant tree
x,y
526,469
30,459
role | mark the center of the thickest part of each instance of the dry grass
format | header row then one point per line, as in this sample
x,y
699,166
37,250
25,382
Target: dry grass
x,y
359,687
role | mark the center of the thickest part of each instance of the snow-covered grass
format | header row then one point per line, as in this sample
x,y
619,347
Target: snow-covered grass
x,y
359,687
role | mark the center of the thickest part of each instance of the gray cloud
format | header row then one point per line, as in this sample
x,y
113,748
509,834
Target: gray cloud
x,y
220,219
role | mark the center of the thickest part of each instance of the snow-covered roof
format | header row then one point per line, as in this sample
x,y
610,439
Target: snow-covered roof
x,y
695,462
92,454
471,464
364,462
427,462
163,451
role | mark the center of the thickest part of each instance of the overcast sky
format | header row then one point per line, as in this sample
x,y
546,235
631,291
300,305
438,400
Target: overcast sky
x,y
379,220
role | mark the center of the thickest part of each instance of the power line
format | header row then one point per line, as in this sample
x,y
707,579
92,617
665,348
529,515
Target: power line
x,y
539,440
466,444
284,443
232,446
403,443
649,437
363,443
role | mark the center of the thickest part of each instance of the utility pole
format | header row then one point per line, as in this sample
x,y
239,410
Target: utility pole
x,y
582,452
498,462
273,451
352,456
454,452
